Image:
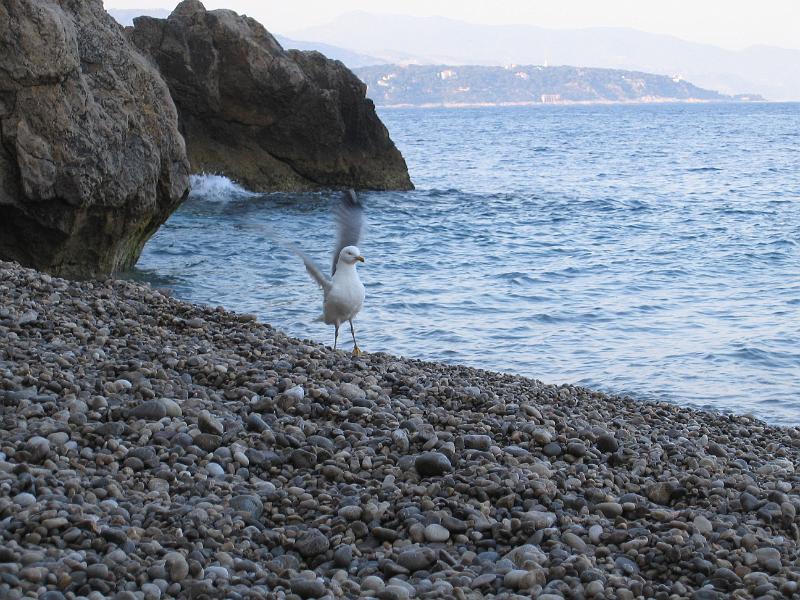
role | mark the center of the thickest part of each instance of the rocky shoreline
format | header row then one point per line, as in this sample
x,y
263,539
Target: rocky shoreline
x,y
152,448
100,128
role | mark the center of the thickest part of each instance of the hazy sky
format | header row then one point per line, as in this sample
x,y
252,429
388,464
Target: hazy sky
x,y
729,23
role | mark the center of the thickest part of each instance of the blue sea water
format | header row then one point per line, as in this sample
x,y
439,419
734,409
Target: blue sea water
x,y
648,250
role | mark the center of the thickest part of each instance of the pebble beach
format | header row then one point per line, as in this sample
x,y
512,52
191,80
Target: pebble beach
x,y
151,448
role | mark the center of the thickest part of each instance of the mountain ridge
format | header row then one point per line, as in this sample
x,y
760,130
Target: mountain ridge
x,y
766,70
475,85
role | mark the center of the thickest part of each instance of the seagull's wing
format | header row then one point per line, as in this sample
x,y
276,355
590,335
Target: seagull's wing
x,y
313,268
349,222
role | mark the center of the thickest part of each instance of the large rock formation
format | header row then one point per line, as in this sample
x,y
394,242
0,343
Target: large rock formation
x,y
91,159
267,118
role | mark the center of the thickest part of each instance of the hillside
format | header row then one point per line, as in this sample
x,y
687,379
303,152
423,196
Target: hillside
x,y
418,85
764,70
352,59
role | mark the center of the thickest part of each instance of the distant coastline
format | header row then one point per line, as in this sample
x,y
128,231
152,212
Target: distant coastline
x,y
570,103
528,85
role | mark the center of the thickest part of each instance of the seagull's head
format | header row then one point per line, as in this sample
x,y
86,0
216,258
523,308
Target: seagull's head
x,y
350,255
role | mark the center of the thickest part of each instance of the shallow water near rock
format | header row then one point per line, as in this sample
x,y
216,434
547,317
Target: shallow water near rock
x,y
646,250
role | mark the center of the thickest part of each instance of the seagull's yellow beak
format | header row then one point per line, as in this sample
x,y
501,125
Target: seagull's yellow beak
x,y
360,258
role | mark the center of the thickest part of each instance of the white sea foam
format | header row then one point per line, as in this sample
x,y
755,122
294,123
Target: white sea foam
x,y
218,187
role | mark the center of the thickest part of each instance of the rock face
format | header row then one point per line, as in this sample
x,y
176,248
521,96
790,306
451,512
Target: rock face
x,y
91,159
267,118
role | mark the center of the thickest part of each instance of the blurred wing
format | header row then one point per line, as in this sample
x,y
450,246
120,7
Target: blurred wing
x,y
313,268
349,222
315,271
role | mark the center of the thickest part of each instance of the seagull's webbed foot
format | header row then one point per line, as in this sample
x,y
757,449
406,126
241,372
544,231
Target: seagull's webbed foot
x,y
356,349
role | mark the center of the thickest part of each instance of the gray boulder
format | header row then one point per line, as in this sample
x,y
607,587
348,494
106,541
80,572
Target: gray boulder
x,y
91,159
267,118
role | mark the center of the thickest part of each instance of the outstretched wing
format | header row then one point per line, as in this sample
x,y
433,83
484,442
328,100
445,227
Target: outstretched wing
x,y
313,268
349,215
315,271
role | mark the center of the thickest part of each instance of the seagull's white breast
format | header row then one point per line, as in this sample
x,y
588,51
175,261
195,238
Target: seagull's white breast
x,y
345,297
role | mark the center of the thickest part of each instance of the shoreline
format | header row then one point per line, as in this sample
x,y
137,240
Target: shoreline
x,y
660,101
153,445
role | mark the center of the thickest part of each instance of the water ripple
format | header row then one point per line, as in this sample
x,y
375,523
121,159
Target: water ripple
x,y
650,251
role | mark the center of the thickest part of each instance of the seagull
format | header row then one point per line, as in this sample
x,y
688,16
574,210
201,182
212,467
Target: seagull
x,y
343,292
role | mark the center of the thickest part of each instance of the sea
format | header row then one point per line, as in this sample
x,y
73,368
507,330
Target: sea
x,y
648,250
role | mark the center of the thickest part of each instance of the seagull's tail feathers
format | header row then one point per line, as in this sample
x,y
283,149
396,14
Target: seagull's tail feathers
x,y
320,319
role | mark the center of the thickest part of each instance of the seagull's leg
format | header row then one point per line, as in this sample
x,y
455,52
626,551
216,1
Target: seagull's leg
x,y
356,349
335,336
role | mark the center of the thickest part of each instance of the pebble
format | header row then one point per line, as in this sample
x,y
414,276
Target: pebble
x,y
171,407
372,583
436,533
610,509
416,558
477,442
58,439
207,441
351,513
400,440
431,464
209,424
177,567
312,543
483,580
576,449
307,588
519,579
25,499
660,493
256,423
606,442
38,446
703,525
769,558
151,410
748,501
343,556
594,588
97,571
595,534
394,592
626,565
574,541
352,392
55,523
553,449
295,393
248,503
151,591
215,470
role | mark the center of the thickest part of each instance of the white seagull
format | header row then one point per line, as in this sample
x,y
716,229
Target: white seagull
x,y
343,292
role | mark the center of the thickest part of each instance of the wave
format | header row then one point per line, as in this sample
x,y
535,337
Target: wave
x,y
218,188
774,359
